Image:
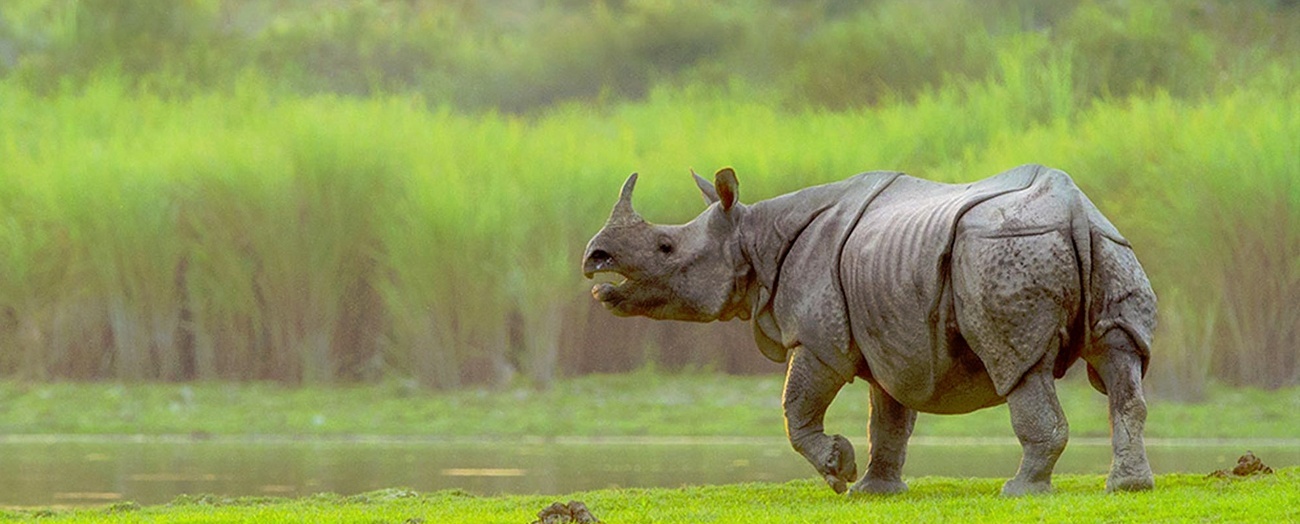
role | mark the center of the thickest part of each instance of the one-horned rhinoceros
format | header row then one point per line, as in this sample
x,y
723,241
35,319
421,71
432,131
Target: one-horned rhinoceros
x,y
945,298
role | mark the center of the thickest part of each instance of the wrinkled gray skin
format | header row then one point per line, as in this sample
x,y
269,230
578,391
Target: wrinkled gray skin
x,y
945,298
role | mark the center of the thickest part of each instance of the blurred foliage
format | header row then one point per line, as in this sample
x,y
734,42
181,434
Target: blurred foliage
x,y
520,55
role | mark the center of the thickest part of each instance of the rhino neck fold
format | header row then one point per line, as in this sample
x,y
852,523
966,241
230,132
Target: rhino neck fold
x,y
770,227
794,243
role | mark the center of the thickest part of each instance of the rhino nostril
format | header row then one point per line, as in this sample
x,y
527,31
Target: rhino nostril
x,y
598,260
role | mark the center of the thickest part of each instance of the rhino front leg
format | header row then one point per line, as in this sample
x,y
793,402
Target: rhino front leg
x,y
810,386
1120,369
890,428
1040,426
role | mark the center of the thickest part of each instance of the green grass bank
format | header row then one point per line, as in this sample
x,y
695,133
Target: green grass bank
x,y
1177,498
628,405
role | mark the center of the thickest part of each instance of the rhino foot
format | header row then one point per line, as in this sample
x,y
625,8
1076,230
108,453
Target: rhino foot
x,y
875,486
840,467
1017,487
836,483
1130,483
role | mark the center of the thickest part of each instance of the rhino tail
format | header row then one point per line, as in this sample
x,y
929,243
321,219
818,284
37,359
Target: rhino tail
x,y
1081,231
1076,336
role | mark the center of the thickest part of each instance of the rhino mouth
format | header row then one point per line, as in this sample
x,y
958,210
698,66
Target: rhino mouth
x,y
608,284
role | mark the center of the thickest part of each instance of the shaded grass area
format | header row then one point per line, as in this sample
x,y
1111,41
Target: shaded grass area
x,y
636,404
1078,498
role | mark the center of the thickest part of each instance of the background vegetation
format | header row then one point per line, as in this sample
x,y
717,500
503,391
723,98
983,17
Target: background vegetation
x,y
325,191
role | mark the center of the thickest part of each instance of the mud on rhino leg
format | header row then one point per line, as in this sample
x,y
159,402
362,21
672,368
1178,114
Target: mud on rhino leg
x,y
810,386
1119,366
890,428
1040,426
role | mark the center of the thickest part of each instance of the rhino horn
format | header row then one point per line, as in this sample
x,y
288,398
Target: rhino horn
x,y
623,214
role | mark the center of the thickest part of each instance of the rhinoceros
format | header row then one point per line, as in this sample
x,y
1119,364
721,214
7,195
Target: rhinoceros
x,y
945,298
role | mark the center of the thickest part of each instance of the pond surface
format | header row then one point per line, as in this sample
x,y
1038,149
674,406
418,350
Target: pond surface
x,y
75,471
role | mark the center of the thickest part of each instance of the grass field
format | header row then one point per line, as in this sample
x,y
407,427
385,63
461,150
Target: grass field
x,y
1177,498
638,404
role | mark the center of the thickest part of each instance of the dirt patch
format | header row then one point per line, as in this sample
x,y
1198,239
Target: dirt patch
x,y
558,513
1246,466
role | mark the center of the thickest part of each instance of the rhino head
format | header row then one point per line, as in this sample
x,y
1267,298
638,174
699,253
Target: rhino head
x,y
694,271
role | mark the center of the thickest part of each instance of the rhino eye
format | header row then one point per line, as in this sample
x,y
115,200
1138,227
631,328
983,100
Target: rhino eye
x,y
665,248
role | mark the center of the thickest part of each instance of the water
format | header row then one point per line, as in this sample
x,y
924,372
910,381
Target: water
x,y
73,471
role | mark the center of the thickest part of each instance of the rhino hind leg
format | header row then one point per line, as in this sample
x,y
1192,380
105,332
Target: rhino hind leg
x,y
1040,426
810,386
1119,366
889,429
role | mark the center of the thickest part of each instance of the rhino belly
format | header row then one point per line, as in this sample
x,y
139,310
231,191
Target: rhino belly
x,y
942,378
963,386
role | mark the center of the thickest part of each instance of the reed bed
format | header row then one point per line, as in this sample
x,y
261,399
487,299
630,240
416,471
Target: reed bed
x,y
245,236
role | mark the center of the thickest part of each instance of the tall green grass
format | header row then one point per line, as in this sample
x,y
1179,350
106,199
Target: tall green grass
x,y
243,234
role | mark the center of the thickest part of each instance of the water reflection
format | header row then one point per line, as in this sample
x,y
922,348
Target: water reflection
x,y
151,472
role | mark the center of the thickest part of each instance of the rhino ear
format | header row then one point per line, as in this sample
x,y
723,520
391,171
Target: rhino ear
x,y
710,194
727,186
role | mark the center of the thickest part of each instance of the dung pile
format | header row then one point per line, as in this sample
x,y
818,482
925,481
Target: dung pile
x,y
1247,465
558,513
